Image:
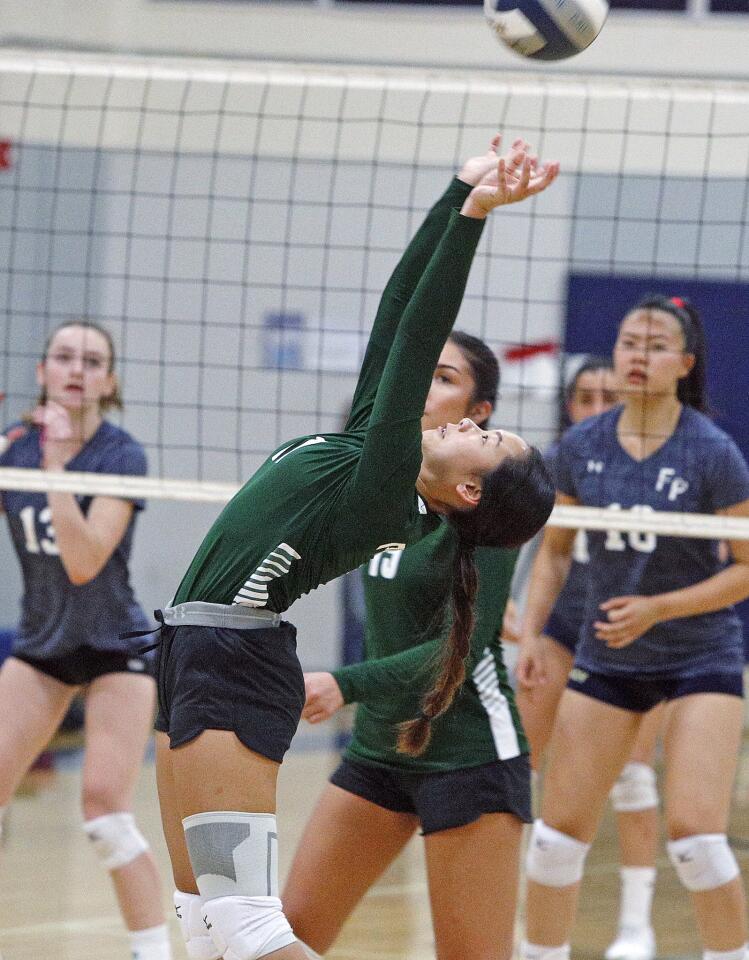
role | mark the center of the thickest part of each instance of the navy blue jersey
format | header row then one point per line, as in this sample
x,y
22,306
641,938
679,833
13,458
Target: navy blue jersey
x,y
56,616
569,610
699,469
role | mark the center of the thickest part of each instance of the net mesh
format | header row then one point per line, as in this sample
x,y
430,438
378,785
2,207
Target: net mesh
x,y
233,227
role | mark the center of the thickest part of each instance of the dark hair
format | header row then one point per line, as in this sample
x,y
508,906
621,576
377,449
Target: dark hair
x,y
592,364
115,399
692,389
516,500
484,367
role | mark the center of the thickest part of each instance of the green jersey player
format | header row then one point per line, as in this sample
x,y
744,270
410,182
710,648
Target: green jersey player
x,y
469,792
230,686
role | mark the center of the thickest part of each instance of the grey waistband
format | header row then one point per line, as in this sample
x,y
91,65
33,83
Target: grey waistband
x,y
196,613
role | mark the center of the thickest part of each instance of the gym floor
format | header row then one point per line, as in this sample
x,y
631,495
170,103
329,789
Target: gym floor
x,y
56,904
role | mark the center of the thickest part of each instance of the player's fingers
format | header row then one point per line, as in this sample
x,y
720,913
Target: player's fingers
x,y
619,642
618,614
501,191
613,603
525,176
541,181
522,672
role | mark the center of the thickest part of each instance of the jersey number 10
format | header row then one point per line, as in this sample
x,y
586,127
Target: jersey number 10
x,y
644,541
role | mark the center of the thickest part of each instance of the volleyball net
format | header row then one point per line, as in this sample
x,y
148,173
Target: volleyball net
x,y
233,227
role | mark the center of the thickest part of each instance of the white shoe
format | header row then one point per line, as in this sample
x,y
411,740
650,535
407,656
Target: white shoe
x,y
632,943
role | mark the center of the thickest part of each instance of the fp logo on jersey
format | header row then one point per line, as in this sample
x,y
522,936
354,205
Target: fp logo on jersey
x,y
676,485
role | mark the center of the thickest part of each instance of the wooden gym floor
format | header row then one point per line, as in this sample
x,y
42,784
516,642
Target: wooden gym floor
x,y
56,904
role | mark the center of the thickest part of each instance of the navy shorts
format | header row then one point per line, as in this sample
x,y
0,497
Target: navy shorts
x,y
216,678
444,800
642,693
87,664
563,632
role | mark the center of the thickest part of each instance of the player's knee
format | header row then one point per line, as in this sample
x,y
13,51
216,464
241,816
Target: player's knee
x,y
198,941
99,799
116,839
234,859
703,861
554,859
635,790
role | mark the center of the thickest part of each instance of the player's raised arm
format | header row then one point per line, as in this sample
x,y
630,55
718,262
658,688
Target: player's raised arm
x,y
431,312
410,268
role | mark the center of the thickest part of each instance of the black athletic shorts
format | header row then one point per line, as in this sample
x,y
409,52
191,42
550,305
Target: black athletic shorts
x,y
216,678
642,693
441,801
86,664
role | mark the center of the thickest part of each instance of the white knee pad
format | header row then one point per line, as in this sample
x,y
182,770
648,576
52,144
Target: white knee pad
x,y
635,789
234,857
553,858
247,928
116,839
199,943
704,861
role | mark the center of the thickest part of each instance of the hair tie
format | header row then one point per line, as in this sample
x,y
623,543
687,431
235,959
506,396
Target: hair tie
x,y
678,302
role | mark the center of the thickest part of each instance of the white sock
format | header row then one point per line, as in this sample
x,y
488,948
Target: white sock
x,y
532,951
637,888
740,954
151,944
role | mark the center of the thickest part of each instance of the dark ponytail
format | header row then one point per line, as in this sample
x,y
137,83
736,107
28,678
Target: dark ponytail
x,y
484,367
516,500
414,735
692,389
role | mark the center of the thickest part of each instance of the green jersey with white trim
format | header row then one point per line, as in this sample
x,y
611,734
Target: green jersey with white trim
x,y
405,594
323,504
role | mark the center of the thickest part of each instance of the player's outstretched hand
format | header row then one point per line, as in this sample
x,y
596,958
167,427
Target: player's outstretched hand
x,y
324,697
514,179
475,169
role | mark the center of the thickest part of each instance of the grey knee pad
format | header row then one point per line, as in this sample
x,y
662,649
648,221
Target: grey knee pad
x,y
233,854
235,860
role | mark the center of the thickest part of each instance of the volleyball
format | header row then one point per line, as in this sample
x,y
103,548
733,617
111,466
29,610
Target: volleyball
x,y
546,29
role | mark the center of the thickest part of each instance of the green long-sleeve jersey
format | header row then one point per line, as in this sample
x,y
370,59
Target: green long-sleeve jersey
x,y
406,594
323,504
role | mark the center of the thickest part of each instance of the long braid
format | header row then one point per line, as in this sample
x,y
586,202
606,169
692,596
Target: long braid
x,y
414,735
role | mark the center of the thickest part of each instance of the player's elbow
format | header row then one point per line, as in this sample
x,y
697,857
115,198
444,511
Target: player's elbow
x,y
81,573
79,578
